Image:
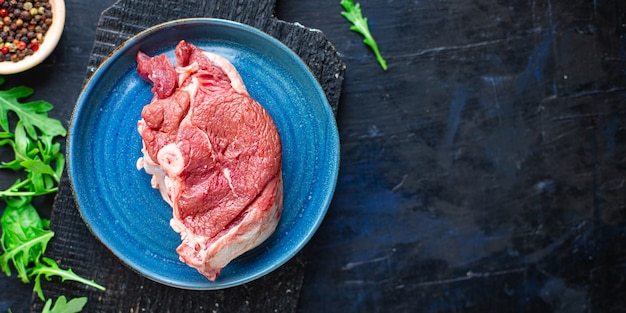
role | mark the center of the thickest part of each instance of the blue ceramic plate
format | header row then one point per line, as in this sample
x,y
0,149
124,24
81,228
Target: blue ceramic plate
x,y
129,217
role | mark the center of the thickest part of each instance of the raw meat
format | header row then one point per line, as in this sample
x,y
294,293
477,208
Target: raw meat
x,y
214,153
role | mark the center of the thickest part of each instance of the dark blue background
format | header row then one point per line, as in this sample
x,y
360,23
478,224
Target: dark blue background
x,y
483,172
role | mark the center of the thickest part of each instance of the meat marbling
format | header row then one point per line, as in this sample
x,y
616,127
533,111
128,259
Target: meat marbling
x,y
213,152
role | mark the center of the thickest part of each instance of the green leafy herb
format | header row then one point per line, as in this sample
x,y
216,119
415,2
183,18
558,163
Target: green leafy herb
x,y
24,239
33,114
25,235
32,142
64,306
359,24
52,269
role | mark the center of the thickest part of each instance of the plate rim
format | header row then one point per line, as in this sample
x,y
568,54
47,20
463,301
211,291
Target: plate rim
x,y
110,60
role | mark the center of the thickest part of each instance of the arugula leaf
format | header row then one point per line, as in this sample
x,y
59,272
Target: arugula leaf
x,y
52,269
359,24
37,159
33,114
25,235
63,306
23,239
23,147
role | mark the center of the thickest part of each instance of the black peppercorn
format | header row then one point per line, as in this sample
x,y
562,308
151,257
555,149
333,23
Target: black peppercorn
x,y
25,16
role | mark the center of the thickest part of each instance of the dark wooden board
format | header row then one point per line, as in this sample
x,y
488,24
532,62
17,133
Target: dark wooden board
x,y
75,247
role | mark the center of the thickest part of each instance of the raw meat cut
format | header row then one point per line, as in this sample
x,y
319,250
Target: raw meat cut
x,y
213,152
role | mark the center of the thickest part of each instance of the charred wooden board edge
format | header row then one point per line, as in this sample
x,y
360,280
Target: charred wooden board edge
x,y
75,247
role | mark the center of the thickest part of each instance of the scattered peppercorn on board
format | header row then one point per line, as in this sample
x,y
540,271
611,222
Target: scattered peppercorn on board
x,y
278,290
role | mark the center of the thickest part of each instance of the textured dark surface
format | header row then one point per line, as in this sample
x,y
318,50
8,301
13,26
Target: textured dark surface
x,y
276,292
73,245
483,172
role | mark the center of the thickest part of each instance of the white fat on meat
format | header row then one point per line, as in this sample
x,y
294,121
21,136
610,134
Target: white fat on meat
x,y
239,203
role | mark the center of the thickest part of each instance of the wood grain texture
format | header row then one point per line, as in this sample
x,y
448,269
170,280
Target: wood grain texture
x,y
75,247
